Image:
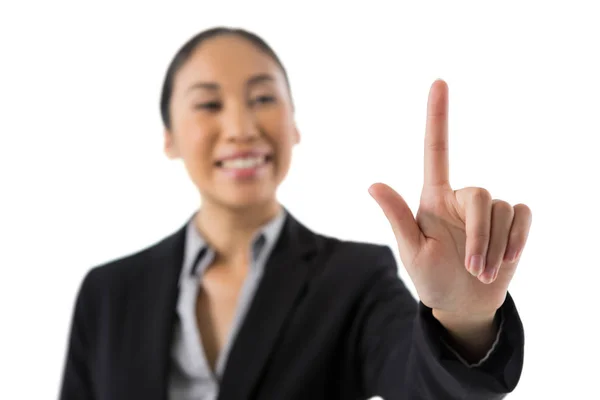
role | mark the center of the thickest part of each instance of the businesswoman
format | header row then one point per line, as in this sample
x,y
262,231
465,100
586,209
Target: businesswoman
x,y
245,302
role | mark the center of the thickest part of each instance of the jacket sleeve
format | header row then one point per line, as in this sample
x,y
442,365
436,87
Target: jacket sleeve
x,y
77,379
403,353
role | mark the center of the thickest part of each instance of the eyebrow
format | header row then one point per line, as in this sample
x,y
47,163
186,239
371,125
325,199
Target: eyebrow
x,y
215,86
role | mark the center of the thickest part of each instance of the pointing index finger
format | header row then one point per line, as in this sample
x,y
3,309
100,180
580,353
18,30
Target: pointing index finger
x,y
436,136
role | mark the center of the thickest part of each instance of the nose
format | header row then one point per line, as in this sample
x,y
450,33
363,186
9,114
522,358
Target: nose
x,y
239,124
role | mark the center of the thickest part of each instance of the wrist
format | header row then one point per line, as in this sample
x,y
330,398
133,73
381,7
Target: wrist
x,y
464,321
471,335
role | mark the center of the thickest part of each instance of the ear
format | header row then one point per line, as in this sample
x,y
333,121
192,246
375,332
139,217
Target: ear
x,y
171,149
296,134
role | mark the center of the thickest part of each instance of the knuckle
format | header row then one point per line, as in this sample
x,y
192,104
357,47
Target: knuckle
x,y
437,145
480,236
502,207
524,210
481,194
517,238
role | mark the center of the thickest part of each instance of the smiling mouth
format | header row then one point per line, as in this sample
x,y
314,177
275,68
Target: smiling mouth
x,y
242,163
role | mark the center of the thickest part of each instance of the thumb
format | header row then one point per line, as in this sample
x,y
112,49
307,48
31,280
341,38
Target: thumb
x,y
407,232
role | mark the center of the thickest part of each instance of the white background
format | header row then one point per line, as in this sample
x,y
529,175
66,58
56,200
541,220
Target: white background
x,y
84,179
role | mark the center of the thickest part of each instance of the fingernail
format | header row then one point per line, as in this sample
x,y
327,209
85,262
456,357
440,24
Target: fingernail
x,y
513,255
489,276
476,265
516,257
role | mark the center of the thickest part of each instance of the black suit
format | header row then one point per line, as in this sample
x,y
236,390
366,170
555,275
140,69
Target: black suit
x,y
330,320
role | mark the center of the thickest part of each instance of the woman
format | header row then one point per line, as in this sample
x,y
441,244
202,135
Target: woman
x,y
244,302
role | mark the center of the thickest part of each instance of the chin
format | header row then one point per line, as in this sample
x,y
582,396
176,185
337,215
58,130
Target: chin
x,y
247,199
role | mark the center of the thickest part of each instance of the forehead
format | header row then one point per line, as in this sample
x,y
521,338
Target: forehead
x,y
227,60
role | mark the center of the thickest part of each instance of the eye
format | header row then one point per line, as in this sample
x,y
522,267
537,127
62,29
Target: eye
x,y
263,99
209,106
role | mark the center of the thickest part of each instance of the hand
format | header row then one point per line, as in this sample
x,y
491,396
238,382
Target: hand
x,y
462,249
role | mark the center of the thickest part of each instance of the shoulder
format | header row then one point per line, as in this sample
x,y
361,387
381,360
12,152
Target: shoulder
x,y
122,271
359,259
306,237
350,272
341,253
357,250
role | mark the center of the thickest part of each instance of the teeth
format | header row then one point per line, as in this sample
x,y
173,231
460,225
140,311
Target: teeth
x,y
242,163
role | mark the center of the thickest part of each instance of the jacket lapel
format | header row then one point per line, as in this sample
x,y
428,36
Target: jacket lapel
x,y
150,333
279,291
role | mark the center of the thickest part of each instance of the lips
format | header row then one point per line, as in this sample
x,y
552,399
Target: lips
x,y
243,160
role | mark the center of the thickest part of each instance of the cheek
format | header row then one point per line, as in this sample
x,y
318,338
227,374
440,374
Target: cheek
x,y
196,146
279,123
286,140
285,144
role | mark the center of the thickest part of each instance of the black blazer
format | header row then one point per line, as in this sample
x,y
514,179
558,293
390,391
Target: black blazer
x,y
330,320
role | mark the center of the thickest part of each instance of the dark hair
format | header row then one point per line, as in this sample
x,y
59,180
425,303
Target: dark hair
x,y
188,48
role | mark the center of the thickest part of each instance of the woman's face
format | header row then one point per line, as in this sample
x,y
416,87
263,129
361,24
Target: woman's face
x,y
232,123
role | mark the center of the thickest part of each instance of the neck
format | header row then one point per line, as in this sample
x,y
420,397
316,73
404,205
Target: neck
x,y
230,231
